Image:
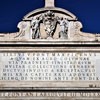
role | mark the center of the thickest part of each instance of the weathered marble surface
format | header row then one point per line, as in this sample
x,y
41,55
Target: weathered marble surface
x,y
50,52
59,67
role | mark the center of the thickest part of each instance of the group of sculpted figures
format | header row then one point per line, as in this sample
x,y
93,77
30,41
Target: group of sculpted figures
x,y
50,22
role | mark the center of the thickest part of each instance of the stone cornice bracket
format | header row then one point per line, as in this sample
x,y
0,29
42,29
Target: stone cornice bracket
x,y
49,3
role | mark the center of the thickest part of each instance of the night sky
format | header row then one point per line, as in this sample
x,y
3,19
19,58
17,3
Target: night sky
x,y
87,11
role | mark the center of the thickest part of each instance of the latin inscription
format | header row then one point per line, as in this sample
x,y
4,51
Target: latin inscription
x,y
50,95
41,66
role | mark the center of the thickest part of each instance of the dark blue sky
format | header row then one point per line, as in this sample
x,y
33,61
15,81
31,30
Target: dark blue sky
x,y
87,11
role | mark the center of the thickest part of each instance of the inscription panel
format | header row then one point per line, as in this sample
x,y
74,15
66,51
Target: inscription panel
x,y
50,95
40,69
50,66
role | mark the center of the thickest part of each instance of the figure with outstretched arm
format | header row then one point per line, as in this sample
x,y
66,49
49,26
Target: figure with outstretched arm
x,y
63,22
35,25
